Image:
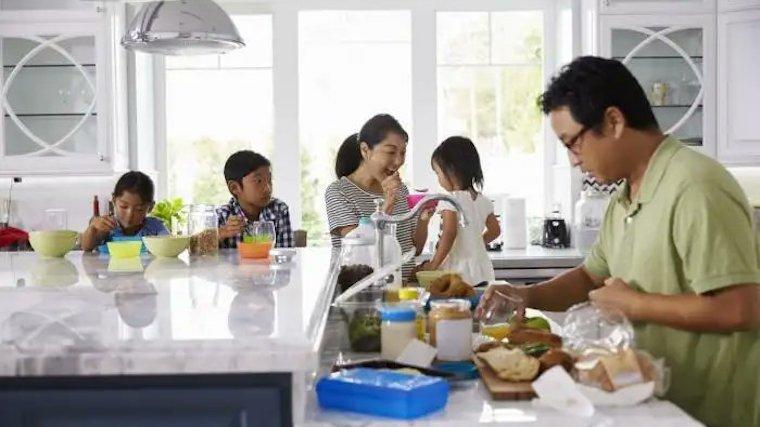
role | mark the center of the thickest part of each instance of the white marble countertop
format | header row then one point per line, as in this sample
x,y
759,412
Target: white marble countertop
x,y
81,315
531,257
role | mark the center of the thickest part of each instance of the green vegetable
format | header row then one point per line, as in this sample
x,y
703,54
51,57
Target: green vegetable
x,y
537,323
364,331
535,349
170,212
262,238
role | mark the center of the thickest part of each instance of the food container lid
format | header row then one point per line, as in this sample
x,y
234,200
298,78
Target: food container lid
x,y
452,303
408,294
397,314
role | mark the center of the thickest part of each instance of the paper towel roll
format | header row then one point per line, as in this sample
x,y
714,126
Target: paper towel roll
x,y
515,230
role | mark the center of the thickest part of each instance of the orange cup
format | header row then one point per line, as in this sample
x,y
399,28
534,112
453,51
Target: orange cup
x,y
254,250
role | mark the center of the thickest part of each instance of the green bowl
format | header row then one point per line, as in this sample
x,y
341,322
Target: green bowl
x,y
53,243
124,249
166,246
425,278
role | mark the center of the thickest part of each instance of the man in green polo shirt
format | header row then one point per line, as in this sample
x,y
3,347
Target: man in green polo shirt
x,y
677,252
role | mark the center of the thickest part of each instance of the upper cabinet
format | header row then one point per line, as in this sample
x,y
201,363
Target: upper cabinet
x,y
628,7
673,58
739,87
54,93
732,5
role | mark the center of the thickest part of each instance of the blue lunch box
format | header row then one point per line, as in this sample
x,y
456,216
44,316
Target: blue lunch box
x,y
381,392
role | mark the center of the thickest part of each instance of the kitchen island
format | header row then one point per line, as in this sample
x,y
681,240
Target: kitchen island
x,y
201,341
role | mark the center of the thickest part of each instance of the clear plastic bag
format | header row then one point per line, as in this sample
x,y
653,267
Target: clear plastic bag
x,y
588,328
594,333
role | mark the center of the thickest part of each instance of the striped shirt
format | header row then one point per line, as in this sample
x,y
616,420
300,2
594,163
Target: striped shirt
x,y
276,211
346,203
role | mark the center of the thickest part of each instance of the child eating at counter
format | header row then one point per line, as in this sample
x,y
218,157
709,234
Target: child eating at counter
x,y
463,249
132,201
249,180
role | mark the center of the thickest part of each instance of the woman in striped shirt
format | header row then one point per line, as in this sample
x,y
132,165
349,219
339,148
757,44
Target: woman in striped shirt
x,y
367,167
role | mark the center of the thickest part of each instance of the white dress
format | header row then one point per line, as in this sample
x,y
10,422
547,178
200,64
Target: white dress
x,y
468,255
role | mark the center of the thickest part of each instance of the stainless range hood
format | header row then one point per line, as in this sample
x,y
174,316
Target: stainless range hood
x,y
182,27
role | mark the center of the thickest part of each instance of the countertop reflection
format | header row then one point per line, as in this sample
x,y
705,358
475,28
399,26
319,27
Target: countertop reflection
x,y
86,314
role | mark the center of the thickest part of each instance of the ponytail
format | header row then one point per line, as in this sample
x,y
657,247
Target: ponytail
x,y
349,156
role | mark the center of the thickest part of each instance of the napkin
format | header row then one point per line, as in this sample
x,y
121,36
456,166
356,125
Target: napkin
x,y
417,353
556,389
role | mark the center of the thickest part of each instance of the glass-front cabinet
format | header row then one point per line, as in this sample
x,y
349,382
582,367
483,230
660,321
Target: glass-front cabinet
x,y
53,98
673,58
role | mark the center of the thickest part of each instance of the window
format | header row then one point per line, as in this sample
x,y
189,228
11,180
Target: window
x,y
352,65
216,105
490,72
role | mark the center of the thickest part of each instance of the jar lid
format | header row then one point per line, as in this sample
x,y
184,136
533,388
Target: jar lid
x,y
408,294
397,314
453,303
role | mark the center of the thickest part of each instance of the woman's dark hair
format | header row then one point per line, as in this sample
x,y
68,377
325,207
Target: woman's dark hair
x,y
459,159
372,133
135,182
589,85
349,156
241,163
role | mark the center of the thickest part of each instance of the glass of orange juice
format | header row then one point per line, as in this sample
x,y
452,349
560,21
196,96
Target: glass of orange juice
x,y
496,322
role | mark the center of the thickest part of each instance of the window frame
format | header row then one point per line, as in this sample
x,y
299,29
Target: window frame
x,y
424,85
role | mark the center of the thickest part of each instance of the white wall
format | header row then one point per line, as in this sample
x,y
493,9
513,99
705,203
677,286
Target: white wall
x,y
35,194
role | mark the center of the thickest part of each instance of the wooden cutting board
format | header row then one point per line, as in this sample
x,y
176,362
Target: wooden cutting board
x,y
500,389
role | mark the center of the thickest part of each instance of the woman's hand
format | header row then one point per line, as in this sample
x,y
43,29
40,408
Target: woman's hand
x,y
391,185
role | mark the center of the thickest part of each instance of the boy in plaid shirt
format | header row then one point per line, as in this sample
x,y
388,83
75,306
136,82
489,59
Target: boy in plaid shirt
x,y
249,179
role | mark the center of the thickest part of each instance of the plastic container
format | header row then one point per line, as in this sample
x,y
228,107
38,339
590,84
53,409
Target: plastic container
x,y
203,230
384,393
365,231
254,250
397,330
412,296
360,316
450,323
589,214
126,249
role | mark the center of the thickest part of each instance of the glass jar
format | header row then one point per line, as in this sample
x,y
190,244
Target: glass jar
x,y
589,214
397,330
357,260
450,323
203,230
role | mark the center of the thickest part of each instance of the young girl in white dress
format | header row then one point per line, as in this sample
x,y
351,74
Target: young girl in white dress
x,y
463,249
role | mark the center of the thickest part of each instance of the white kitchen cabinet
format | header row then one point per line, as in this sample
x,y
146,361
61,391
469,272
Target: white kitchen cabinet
x,y
733,5
739,87
673,58
633,7
54,93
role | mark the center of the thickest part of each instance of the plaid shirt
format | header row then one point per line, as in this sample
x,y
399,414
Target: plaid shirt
x,y
277,212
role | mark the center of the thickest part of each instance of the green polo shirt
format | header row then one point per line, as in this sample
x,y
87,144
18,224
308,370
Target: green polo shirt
x,y
690,230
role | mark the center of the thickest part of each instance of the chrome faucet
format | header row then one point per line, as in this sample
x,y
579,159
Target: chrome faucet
x,y
380,219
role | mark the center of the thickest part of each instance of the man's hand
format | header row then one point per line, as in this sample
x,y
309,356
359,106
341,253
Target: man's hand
x,y
514,296
619,295
233,227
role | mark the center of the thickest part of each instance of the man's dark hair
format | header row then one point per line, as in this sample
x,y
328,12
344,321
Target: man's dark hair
x,y
589,85
242,163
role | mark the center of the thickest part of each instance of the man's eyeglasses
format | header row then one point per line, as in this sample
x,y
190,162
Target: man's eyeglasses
x,y
574,144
